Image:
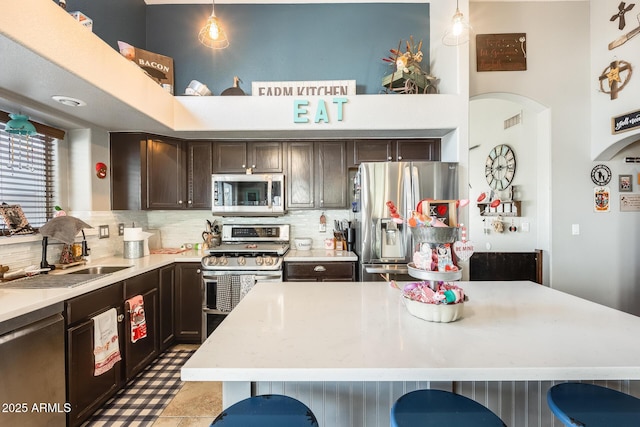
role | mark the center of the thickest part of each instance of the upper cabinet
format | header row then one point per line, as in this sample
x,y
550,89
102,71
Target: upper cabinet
x,y
152,172
316,175
382,150
238,156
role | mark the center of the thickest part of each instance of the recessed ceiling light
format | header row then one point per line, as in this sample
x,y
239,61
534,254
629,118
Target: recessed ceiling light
x,y
68,101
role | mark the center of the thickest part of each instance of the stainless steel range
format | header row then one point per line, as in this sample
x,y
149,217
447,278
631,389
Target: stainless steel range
x,y
246,255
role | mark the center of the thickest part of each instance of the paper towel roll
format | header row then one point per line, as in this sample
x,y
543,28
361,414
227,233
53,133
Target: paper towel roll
x,y
132,234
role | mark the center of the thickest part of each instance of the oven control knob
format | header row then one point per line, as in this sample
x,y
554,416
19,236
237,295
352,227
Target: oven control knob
x,y
259,260
211,261
241,260
268,260
224,260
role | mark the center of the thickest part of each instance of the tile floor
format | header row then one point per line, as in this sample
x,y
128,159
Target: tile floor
x,y
195,405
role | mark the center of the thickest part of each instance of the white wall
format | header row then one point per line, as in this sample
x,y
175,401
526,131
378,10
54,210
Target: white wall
x,y
486,129
598,263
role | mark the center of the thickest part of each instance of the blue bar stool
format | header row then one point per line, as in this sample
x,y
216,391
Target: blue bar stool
x,y
268,410
437,408
579,404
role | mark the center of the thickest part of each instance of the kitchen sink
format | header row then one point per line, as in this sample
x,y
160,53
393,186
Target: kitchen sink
x,y
101,269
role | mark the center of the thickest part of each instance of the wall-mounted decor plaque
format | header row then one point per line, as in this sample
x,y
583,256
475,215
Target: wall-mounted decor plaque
x,y
501,52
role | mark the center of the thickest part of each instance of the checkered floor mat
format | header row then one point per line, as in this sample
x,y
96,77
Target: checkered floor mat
x,y
144,398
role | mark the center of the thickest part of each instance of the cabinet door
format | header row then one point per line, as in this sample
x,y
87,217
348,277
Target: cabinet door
x,y
142,352
86,392
417,150
199,170
331,176
301,175
188,300
128,177
230,157
265,157
166,174
166,290
372,151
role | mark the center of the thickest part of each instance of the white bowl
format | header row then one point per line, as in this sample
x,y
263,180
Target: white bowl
x,y
443,313
303,243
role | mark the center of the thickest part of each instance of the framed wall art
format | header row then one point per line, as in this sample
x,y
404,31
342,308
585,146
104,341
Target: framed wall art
x,y
16,222
625,183
501,52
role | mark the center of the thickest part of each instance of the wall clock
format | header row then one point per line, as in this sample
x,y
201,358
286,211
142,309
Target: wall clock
x,y
600,174
500,167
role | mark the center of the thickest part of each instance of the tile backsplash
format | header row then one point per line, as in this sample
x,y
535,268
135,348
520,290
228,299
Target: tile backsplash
x,y
172,228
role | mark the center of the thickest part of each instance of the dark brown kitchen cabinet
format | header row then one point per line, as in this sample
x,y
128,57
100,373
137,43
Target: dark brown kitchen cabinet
x,y
142,352
166,174
316,175
305,271
199,170
238,156
157,172
85,391
382,150
300,180
166,291
188,302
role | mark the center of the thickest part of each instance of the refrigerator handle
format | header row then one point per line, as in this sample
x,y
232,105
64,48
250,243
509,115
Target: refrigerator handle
x,y
415,187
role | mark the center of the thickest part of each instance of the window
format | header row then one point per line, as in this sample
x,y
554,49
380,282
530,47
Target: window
x,y
27,171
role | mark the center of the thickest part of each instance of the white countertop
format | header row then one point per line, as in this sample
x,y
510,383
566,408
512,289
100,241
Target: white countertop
x,y
17,302
362,332
320,255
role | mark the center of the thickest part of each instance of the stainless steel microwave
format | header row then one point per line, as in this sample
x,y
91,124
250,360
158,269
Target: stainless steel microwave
x,y
248,195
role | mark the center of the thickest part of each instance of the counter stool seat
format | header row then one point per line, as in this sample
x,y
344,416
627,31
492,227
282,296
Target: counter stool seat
x,y
437,408
268,410
580,404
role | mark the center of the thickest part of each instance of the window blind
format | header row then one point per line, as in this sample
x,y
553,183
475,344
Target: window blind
x,y
27,175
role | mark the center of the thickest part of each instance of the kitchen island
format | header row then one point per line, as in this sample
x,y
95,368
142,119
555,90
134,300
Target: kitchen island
x,y
349,350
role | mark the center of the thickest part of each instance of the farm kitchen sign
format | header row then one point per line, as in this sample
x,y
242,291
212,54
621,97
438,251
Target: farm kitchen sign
x,y
310,88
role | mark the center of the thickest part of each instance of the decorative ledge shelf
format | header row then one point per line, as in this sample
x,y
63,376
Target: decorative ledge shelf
x,y
506,208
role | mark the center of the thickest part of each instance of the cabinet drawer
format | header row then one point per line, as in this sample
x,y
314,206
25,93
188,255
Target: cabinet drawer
x,y
93,303
319,271
141,284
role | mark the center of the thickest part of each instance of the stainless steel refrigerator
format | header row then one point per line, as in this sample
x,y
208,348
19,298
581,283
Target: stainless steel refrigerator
x,y
384,247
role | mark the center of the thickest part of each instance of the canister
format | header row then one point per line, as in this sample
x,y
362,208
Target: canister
x,y
133,249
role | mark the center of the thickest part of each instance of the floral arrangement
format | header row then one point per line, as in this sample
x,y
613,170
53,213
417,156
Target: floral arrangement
x,y
409,60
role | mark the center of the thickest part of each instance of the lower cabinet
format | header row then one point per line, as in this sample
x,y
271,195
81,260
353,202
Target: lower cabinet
x,y
341,271
188,302
172,312
85,391
166,292
142,352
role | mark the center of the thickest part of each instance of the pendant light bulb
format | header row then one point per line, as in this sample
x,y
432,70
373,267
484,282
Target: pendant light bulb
x,y
458,25
214,30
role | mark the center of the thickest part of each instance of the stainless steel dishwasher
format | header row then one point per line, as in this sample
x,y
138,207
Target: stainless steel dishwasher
x,y
32,372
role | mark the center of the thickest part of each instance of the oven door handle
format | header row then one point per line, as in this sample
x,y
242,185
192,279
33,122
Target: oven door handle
x,y
268,277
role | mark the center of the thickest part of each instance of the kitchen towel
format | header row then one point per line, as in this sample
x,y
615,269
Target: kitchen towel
x,y
106,347
246,283
227,292
137,319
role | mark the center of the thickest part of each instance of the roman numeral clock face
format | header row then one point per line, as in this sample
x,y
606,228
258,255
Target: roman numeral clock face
x,y
500,167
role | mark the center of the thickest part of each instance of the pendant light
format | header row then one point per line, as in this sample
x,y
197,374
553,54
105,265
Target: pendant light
x,y
212,35
19,127
460,30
